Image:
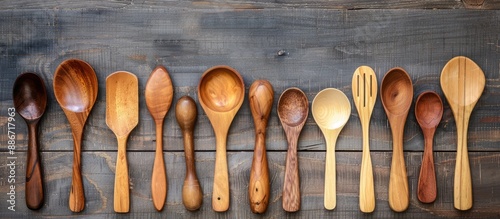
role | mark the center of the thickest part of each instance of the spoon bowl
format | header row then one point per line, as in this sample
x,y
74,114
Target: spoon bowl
x,y
293,108
397,94
30,101
221,92
331,110
75,89
428,112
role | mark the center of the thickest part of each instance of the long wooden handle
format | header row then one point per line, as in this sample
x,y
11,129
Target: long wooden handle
x,y
34,183
330,199
399,196
220,194
463,183
427,189
258,188
291,187
366,185
192,196
76,194
159,185
122,193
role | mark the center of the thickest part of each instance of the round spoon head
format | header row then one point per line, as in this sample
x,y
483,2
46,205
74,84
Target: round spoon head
x,y
185,112
396,91
159,93
331,109
75,85
30,96
428,109
221,89
293,107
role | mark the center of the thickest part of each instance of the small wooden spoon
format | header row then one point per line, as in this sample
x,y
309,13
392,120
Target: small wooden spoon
x,y
331,110
185,113
75,88
122,116
221,92
293,108
261,96
30,100
159,94
364,95
428,112
462,81
397,94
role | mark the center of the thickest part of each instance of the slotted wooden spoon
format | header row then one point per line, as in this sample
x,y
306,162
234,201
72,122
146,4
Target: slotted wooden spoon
x,y
364,94
462,82
122,116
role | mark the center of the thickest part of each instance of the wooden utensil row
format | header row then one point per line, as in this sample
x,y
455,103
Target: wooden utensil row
x,y
221,93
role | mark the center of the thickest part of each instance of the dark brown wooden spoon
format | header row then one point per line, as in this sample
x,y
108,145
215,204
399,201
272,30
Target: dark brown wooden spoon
x,y
75,88
185,113
261,97
30,100
428,112
293,108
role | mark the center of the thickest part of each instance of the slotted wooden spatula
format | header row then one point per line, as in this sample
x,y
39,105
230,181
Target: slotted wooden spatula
x,y
122,115
364,94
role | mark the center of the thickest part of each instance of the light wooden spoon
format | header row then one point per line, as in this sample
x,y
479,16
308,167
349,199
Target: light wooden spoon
x,y
75,88
261,96
159,93
331,110
221,92
462,82
364,94
397,93
293,108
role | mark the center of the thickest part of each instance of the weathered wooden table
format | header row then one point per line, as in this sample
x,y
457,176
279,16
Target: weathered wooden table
x,y
309,44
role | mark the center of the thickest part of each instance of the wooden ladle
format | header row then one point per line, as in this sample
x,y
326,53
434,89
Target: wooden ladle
x,y
75,89
261,97
221,92
462,81
185,113
122,116
428,112
397,94
293,108
331,110
30,100
159,94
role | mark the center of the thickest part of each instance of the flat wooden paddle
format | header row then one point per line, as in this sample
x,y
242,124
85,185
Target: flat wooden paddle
x,y
462,81
122,115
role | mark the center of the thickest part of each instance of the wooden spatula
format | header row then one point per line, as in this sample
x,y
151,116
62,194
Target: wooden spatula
x,y
122,115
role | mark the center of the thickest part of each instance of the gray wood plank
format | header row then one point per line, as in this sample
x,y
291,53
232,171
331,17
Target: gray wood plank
x,y
98,172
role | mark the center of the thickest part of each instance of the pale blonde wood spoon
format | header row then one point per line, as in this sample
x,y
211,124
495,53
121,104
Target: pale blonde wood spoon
x,y
75,88
331,110
221,92
122,116
462,82
159,93
397,94
364,94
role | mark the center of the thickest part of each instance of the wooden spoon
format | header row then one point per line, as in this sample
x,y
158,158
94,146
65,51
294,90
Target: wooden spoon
x,y
221,92
261,96
462,81
185,113
75,88
293,108
397,94
122,116
159,94
30,100
364,94
428,112
331,110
